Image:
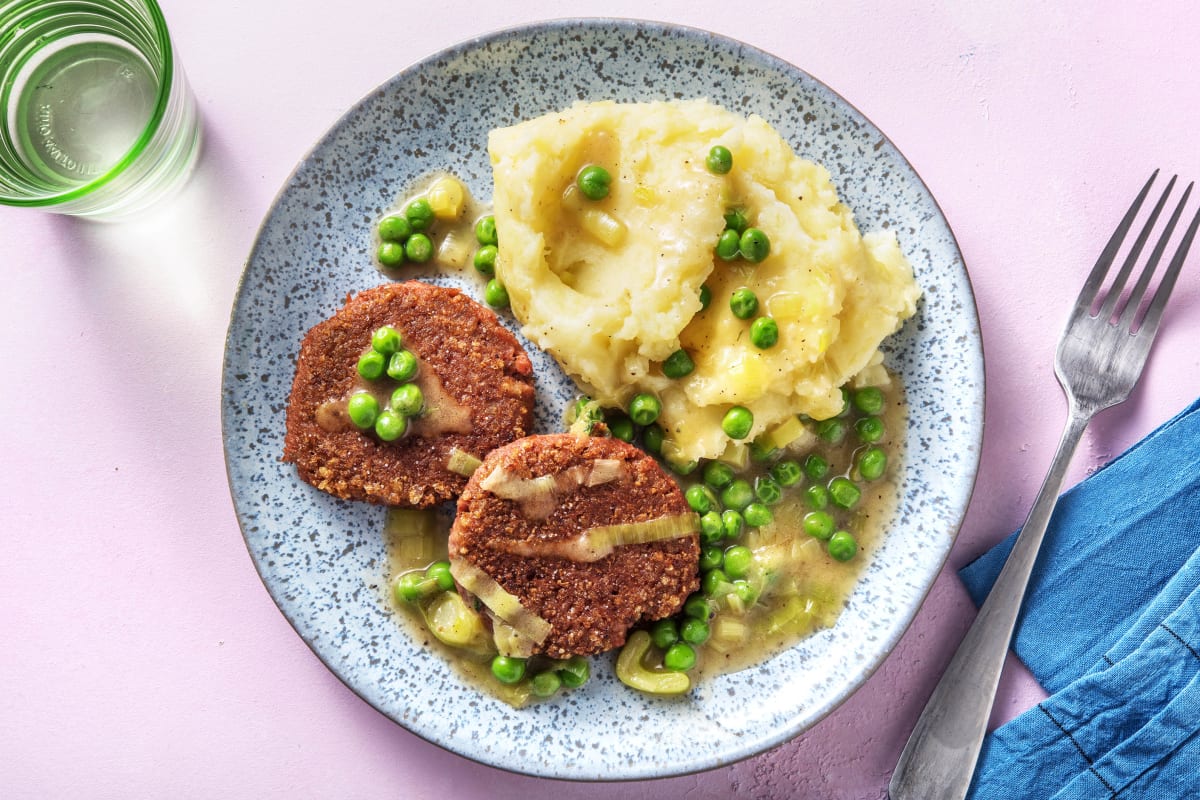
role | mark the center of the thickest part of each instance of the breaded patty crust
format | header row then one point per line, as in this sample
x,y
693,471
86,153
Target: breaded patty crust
x,y
476,378
535,548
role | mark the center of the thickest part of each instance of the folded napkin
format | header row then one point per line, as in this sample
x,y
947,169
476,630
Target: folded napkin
x,y
1111,629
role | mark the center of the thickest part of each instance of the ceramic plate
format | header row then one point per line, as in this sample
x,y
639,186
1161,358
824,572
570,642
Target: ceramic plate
x,y
323,559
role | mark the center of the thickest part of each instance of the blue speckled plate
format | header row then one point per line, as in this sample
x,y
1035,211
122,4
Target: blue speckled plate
x,y
323,559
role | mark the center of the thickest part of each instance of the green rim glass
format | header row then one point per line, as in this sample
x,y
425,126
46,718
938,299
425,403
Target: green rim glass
x,y
171,135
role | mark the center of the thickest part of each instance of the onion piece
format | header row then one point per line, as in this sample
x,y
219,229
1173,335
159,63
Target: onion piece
x,y
504,605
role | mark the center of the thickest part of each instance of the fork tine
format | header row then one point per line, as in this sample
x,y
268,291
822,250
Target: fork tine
x,y
1149,324
1139,289
1114,293
1092,285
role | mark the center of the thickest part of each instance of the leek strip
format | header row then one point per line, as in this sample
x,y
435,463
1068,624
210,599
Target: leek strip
x,y
448,618
462,463
404,522
633,672
539,496
504,605
601,541
509,641
607,538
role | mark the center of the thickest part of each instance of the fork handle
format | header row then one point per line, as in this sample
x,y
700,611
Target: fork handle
x,y
939,759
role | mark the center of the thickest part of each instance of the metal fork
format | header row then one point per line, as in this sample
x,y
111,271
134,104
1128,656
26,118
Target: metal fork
x,y
1100,357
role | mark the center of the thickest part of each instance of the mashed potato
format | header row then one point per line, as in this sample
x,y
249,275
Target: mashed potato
x,y
611,288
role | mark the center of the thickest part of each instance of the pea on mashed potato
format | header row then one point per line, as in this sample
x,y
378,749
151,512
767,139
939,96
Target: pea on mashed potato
x,y
612,287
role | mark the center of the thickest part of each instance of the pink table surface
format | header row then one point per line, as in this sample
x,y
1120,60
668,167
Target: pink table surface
x,y
142,657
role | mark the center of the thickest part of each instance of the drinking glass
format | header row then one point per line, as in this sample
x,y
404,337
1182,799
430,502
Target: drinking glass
x,y
98,119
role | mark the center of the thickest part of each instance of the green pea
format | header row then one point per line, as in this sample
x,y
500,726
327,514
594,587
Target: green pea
x,y
818,524
738,560
594,181
727,245
745,591
816,467
410,587
737,422
711,557
698,607
439,571
508,670
787,473
700,498
737,495
718,474
385,340
733,522
817,497
408,400
743,303
869,429
719,160
418,248
735,219
485,231
758,515
402,366
575,672
680,657
712,581
362,408
390,254
764,333
694,631
652,438
485,259
371,364
678,365
619,424
705,296
844,493
394,228
545,684
711,529
842,546
767,490
664,633
869,400
832,430
495,295
872,463
754,245
390,425
644,408
419,214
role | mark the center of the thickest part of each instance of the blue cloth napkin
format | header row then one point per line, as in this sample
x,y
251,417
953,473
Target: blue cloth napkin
x,y
1111,629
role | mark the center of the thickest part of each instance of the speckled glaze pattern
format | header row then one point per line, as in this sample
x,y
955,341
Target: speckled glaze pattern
x,y
323,560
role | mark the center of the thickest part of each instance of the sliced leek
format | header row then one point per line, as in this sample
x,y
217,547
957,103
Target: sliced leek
x,y
504,605
633,672
449,619
602,541
539,496
462,463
